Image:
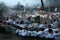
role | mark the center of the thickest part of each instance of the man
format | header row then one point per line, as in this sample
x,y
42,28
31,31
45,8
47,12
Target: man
x,y
34,33
41,33
50,34
9,20
39,25
18,31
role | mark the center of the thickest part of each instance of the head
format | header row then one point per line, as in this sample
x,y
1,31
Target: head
x,y
42,29
45,23
32,21
26,28
58,26
19,28
13,19
17,22
49,26
51,21
54,20
10,17
38,23
7,19
50,30
56,31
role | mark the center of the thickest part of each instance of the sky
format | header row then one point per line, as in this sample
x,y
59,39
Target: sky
x,y
30,3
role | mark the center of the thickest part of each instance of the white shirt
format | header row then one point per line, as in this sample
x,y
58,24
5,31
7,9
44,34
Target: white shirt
x,y
55,29
22,32
17,31
41,26
29,25
33,33
55,24
49,36
9,21
58,32
22,25
55,34
52,25
35,25
41,34
14,22
17,24
28,33
46,30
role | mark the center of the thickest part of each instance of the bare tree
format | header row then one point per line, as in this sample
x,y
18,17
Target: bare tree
x,y
3,9
19,7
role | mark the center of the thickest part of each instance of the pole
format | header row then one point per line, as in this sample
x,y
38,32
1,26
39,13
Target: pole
x,y
42,4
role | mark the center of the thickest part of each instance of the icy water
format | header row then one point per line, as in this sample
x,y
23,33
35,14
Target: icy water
x,y
8,37
14,37
4,36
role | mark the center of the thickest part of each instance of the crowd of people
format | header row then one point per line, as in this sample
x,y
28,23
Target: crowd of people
x,y
28,27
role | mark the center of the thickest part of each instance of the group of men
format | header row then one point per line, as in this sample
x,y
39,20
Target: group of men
x,y
47,30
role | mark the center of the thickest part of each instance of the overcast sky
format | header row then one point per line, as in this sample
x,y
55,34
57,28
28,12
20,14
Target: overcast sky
x,y
23,2
30,3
